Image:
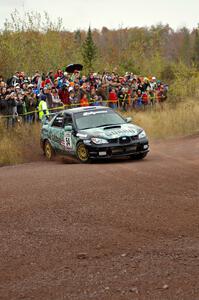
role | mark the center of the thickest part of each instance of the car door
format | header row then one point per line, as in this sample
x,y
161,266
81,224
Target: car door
x,y
56,132
68,136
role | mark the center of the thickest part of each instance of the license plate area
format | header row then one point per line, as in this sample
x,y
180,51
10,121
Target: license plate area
x,y
102,153
132,148
121,150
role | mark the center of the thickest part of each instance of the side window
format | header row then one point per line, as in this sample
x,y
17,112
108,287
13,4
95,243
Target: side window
x,y
59,121
68,120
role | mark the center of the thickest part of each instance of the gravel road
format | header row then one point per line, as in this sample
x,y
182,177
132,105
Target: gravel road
x,y
117,230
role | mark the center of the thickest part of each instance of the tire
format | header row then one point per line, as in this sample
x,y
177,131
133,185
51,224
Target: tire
x,y
82,153
49,151
138,156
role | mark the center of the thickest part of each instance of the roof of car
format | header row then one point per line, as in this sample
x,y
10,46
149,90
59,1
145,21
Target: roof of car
x,y
85,109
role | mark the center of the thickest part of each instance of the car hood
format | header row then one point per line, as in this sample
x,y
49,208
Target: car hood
x,y
111,132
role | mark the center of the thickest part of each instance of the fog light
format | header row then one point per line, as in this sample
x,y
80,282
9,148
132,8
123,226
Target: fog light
x,y
146,147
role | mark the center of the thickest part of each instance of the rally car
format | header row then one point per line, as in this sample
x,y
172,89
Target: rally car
x,y
92,133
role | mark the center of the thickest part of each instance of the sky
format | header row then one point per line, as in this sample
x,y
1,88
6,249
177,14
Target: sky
x,y
79,14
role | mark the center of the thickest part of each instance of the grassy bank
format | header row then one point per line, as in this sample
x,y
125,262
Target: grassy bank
x,y
169,121
21,144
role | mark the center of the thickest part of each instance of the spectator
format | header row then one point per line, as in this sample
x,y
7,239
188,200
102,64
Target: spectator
x,y
43,108
113,99
29,104
22,95
56,101
64,95
84,100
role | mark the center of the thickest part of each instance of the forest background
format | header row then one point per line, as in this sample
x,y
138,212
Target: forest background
x,y
33,42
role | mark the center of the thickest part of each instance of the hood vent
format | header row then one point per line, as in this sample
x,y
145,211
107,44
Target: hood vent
x,y
112,127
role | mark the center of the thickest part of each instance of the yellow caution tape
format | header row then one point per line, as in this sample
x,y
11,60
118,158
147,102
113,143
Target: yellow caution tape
x,y
55,108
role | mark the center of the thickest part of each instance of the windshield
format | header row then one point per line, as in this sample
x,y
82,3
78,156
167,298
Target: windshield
x,y
93,119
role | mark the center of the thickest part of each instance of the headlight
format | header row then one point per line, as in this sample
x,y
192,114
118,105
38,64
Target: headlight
x,y
142,134
99,141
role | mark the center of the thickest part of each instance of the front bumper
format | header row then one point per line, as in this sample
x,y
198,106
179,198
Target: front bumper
x,y
118,150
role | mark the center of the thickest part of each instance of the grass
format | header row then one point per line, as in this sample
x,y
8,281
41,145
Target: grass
x,y
21,144
169,121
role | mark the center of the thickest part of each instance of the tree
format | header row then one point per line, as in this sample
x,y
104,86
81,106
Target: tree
x,y
185,49
196,48
89,50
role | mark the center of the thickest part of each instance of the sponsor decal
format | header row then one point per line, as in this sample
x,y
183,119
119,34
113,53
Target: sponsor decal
x,y
121,131
81,135
94,113
67,141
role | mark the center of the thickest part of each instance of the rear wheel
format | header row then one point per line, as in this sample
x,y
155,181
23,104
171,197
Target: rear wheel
x,y
82,153
48,151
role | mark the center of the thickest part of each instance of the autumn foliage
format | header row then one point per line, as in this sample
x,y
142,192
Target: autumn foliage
x,y
34,43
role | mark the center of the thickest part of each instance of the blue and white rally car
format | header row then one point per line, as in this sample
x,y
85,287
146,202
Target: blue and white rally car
x,y
92,133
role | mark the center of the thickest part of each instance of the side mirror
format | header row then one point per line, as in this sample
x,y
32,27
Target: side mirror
x,y
128,120
44,120
68,128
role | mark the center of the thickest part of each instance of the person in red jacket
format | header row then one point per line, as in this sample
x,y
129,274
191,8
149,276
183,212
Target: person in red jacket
x,y
84,100
145,98
58,74
113,99
64,96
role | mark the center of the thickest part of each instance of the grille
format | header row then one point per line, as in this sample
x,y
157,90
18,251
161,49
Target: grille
x,y
134,137
113,141
124,140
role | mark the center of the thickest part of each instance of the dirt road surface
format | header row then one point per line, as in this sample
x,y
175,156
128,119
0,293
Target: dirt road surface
x,y
119,230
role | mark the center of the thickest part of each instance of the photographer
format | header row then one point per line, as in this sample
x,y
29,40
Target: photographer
x,y
9,106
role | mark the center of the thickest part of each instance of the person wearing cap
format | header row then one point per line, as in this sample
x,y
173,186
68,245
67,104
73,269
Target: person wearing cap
x,y
72,97
17,88
56,101
153,83
49,98
15,79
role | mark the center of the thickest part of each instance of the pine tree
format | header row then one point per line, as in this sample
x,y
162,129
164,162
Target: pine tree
x,y
89,50
78,37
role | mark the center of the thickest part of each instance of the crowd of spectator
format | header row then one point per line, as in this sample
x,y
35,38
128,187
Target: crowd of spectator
x,y
33,97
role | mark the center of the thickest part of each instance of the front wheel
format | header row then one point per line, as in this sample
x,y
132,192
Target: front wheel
x,y
48,151
82,153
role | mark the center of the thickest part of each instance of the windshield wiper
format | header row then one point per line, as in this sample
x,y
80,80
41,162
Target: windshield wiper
x,y
106,125
86,128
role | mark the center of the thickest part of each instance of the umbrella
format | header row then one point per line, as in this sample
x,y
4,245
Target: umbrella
x,y
73,67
